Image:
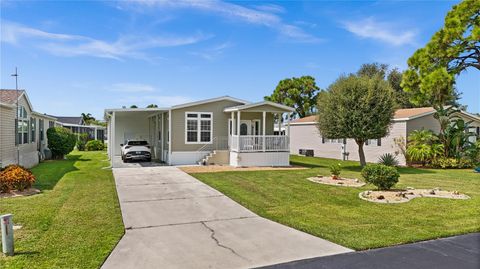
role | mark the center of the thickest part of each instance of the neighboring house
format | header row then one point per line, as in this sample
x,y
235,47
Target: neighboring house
x,y
78,126
223,130
304,136
22,140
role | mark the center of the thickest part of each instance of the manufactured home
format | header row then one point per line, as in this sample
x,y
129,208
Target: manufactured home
x,y
223,130
23,136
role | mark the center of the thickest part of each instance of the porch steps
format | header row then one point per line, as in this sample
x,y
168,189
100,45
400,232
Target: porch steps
x,y
216,157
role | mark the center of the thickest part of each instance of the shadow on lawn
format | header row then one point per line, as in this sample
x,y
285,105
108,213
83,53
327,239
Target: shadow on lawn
x,y
50,172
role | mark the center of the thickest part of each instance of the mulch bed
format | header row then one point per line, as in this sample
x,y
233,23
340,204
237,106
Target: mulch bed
x,y
224,168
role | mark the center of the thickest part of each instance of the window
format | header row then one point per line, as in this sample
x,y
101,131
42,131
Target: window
x,y
373,142
40,129
333,141
22,125
51,124
198,127
32,130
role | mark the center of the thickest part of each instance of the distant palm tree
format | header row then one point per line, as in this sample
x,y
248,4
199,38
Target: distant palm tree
x,y
87,118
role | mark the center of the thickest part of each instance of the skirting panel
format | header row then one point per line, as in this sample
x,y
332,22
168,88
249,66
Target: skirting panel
x,y
187,157
260,158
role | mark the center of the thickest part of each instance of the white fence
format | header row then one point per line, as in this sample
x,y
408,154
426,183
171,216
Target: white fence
x,y
257,143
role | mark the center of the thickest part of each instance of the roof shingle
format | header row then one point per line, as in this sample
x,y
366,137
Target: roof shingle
x,y
403,113
10,96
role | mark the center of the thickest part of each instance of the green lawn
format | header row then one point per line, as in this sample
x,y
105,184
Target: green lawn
x,y
337,214
74,223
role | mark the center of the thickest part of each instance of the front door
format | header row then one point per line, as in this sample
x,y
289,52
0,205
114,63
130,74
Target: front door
x,y
245,127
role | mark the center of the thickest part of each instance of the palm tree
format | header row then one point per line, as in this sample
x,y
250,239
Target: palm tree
x,y
87,118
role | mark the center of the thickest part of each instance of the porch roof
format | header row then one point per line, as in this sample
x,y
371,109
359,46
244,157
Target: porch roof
x,y
261,106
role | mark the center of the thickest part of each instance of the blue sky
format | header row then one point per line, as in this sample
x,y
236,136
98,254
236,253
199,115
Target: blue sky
x,y
85,56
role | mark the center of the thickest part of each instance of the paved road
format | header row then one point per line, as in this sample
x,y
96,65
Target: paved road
x,y
172,220
454,252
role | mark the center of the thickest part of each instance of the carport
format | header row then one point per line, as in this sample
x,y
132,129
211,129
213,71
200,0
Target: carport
x,y
149,124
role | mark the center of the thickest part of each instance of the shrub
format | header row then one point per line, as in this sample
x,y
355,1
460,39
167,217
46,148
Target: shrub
x,y
93,145
335,169
382,176
388,159
445,163
61,141
15,177
82,141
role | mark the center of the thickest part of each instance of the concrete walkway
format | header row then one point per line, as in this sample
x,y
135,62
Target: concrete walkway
x,y
172,220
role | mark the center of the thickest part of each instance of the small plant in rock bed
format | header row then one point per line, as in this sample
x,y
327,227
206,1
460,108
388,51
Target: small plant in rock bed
x,y
335,170
15,177
388,159
381,176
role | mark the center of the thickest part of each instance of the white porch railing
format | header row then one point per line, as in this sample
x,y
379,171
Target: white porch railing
x,y
259,143
218,143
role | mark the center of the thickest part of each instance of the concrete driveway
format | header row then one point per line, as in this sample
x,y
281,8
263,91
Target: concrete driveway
x,y
118,163
172,220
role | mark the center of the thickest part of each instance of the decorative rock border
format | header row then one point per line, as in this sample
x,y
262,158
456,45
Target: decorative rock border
x,y
344,182
403,196
27,192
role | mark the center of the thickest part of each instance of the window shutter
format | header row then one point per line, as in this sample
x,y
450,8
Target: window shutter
x,y
379,142
323,140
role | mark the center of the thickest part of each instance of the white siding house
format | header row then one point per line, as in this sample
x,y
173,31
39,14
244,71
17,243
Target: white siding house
x,y
304,135
22,130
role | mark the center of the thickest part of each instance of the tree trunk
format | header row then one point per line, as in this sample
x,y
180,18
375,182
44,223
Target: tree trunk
x,y
361,154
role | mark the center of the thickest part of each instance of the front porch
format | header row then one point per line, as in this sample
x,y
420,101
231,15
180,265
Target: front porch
x,y
251,139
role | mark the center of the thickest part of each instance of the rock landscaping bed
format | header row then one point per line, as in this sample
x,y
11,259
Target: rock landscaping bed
x,y
402,196
346,182
15,193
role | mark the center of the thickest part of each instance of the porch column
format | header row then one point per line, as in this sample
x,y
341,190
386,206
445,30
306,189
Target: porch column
x,y
112,143
264,116
95,134
232,116
287,132
156,137
162,137
279,117
238,131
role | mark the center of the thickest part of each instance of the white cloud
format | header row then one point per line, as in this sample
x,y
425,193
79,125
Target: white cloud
x,y
76,45
385,32
131,88
231,11
213,52
270,8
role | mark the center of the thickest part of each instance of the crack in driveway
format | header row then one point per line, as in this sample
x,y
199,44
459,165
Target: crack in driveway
x,y
212,236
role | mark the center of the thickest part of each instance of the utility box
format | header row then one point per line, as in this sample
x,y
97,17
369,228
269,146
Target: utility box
x,y
7,234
